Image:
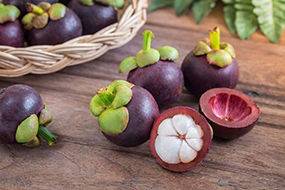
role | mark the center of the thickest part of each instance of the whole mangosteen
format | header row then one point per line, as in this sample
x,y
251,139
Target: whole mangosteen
x,y
47,24
96,14
11,32
126,113
156,71
23,116
210,65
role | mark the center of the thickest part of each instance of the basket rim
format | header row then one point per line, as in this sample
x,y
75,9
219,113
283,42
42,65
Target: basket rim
x,y
44,59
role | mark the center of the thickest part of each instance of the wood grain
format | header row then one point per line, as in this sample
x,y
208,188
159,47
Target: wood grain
x,y
84,159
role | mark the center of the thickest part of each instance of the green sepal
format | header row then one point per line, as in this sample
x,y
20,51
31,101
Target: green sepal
x,y
128,64
8,13
57,11
114,121
44,5
33,143
123,96
228,48
87,2
1,5
97,106
220,58
115,3
40,21
27,21
27,130
201,49
45,116
168,53
112,86
148,57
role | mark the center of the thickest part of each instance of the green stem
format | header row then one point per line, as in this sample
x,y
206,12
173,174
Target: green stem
x,y
34,9
215,38
147,36
47,135
106,96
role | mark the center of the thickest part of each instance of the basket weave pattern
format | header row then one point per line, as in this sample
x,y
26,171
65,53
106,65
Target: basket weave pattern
x,y
16,62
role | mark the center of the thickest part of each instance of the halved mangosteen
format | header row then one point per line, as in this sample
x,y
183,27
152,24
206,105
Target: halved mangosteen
x,y
231,113
180,139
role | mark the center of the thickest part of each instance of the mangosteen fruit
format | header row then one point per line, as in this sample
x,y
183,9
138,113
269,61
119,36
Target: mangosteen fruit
x,y
23,117
47,24
231,113
96,14
180,139
11,32
156,71
65,2
210,65
126,113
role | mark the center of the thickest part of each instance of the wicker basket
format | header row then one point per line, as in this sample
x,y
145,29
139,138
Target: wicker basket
x,y
16,62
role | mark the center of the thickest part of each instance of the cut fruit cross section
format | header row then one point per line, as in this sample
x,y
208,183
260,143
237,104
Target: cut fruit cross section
x,y
178,139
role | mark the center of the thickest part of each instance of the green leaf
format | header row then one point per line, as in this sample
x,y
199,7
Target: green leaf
x,y
202,8
229,1
181,6
271,17
156,4
230,16
246,24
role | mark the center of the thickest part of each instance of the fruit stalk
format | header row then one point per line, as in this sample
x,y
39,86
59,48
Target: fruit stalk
x,y
148,35
106,96
47,135
215,38
34,9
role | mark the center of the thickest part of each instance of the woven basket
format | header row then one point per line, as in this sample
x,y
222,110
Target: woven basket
x,y
16,62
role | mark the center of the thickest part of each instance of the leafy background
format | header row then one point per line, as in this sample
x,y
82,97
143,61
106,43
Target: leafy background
x,y
243,17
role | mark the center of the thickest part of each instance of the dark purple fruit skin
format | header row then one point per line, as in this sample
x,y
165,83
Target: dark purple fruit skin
x,y
65,2
17,103
56,32
12,34
143,110
38,1
200,76
164,80
94,17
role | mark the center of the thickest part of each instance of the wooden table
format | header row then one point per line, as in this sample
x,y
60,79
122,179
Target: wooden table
x,y
84,159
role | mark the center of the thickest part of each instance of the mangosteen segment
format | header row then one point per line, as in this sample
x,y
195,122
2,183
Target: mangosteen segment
x,y
219,54
8,13
230,113
178,139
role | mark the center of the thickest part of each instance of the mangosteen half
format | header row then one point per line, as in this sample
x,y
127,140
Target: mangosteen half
x,y
11,32
47,24
231,113
180,139
210,65
156,71
23,116
96,14
126,113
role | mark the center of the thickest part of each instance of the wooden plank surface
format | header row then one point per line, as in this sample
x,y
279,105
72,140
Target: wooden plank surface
x,y
84,159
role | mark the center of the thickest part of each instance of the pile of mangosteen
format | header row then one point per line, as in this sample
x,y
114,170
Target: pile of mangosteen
x,y
180,137
52,22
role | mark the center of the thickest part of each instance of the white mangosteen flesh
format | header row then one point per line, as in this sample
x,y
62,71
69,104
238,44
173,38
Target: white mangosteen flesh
x,y
178,139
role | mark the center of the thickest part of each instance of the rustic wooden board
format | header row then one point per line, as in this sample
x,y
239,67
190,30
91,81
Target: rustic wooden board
x,y
84,159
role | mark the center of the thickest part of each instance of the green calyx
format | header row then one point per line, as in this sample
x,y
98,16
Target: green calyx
x,y
148,56
8,13
33,126
219,54
108,104
39,15
115,3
